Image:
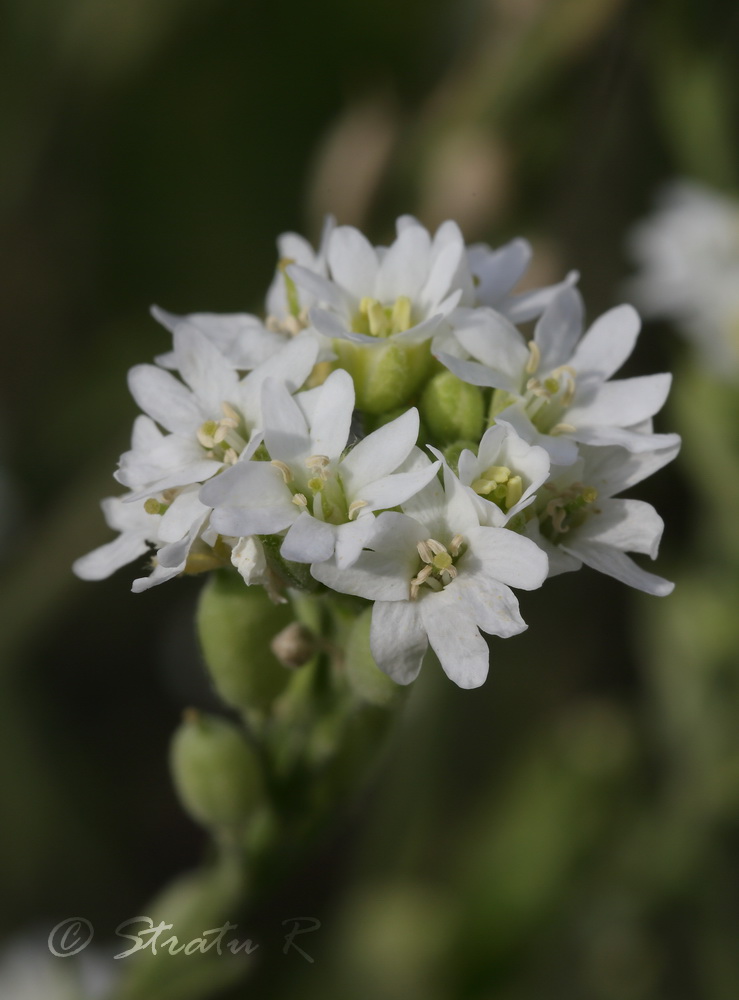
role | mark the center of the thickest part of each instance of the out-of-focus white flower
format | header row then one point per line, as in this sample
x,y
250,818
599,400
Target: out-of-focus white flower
x,y
687,252
556,389
437,576
577,519
28,971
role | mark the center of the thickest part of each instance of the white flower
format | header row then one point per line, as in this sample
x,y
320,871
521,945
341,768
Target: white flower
x,y
559,384
213,417
29,971
688,255
324,497
438,577
579,520
402,292
242,339
505,474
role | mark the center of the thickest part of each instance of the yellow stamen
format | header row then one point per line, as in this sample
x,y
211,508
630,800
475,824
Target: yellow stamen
x,y
287,475
514,491
534,358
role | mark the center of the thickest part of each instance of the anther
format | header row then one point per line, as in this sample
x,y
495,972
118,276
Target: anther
x,y
534,358
287,475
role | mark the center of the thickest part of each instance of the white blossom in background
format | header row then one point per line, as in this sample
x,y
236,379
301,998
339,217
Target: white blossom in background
x,y
687,254
293,449
29,971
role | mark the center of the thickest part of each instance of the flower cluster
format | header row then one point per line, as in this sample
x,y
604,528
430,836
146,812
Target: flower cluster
x,y
387,431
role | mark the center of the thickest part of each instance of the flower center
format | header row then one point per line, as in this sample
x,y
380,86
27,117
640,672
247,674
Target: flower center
x,y
222,439
319,489
499,485
376,320
437,564
567,509
547,400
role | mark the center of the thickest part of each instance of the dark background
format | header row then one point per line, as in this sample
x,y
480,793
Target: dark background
x,y
571,828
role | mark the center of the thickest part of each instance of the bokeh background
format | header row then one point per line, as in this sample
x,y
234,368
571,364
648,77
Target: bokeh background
x,y
571,829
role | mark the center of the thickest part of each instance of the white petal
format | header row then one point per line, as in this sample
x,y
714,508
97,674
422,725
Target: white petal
x,y
204,368
498,270
395,489
501,554
421,331
380,453
145,434
323,290
398,639
291,366
250,498
353,261
494,341
309,540
625,437
455,638
285,429
351,538
404,267
611,469
197,472
101,562
181,515
165,399
620,566
476,374
490,604
160,574
559,329
332,415
628,525
528,305
383,574
621,402
441,280
608,342
174,555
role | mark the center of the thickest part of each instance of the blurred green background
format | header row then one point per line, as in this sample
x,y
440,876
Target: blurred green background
x,y
571,829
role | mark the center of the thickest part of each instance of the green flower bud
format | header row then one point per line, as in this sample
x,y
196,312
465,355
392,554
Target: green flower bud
x,y
452,409
385,375
363,674
236,625
216,773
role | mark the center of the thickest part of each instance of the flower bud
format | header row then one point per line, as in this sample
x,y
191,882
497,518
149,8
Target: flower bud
x,y
216,773
363,674
385,375
452,409
236,625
